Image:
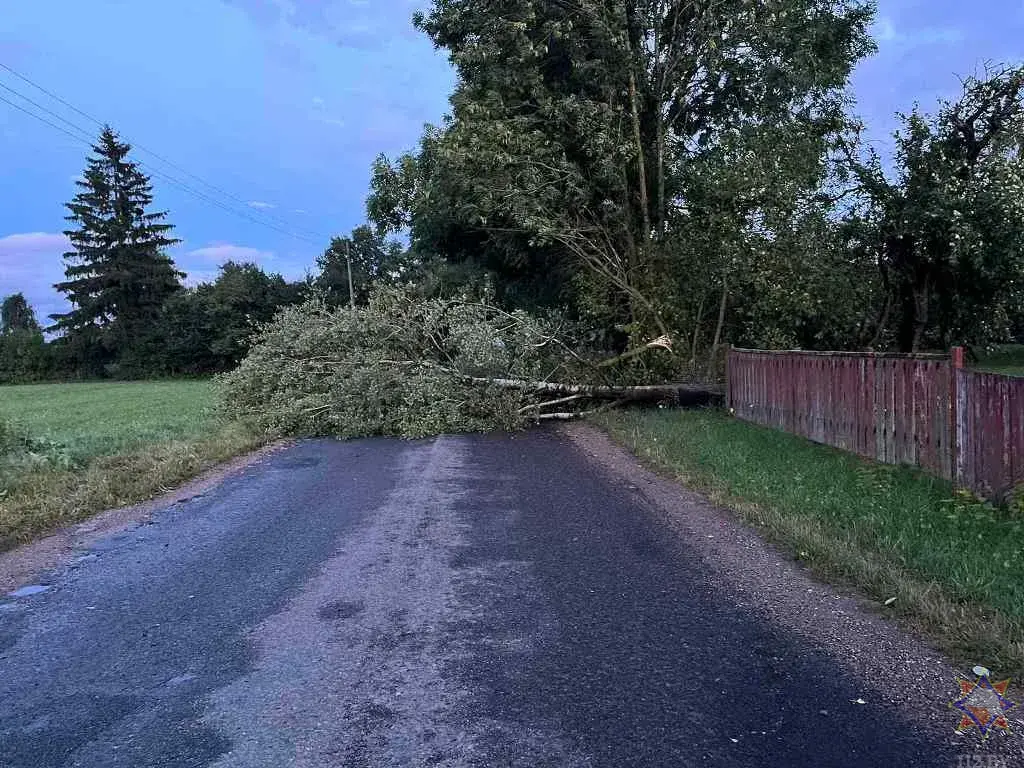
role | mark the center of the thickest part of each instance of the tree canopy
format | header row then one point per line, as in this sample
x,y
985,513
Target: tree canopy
x,y
588,139
946,226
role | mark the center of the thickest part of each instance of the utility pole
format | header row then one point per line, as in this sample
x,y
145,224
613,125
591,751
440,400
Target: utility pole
x,y
348,263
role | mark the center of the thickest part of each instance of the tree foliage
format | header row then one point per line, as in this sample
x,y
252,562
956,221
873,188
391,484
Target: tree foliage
x,y
946,229
117,273
16,315
365,255
400,365
208,328
587,139
23,353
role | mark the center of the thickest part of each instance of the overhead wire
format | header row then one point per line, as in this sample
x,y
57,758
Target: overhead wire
x,y
293,231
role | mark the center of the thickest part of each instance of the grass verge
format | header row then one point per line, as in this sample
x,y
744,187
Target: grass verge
x,y
68,451
954,565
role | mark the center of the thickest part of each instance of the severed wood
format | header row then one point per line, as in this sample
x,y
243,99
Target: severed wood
x,y
682,394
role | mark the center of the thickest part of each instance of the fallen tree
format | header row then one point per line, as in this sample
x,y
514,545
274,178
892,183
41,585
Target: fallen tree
x,y
412,367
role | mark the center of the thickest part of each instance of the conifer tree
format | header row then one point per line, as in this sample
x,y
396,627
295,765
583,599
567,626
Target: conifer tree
x,y
118,274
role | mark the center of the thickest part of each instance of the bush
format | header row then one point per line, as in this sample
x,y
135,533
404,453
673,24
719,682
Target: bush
x,y
399,366
20,451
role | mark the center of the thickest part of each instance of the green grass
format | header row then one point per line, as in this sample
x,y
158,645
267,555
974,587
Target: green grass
x,y
68,451
1007,359
104,418
955,565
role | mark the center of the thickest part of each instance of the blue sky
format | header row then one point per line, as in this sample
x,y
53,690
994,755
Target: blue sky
x,y
285,103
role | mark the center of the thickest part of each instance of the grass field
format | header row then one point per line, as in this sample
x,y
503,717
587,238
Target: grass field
x,y
1007,359
100,419
70,450
955,566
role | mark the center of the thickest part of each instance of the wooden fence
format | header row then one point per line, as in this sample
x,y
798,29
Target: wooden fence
x,y
989,432
922,410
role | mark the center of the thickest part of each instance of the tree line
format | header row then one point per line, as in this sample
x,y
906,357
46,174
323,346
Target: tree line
x,y
694,169
689,171
130,314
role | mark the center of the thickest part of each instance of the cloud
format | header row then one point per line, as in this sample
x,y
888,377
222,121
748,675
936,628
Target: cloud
x,y
34,243
224,252
886,32
260,205
884,29
335,121
30,263
357,24
320,116
260,11
201,264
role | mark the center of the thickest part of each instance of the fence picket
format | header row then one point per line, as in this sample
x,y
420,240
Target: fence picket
x,y
921,410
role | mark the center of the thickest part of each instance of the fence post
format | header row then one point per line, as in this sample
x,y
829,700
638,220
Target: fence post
x,y
956,360
728,378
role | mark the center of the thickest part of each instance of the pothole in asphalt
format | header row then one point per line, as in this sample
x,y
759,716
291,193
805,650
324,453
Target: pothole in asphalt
x,y
339,609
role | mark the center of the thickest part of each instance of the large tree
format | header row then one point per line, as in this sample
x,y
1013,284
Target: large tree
x,y
118,273
946,224
22,349
208,328
587,137
364,257
16,315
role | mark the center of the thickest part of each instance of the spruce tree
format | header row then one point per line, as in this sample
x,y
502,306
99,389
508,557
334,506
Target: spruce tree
x,y
118,274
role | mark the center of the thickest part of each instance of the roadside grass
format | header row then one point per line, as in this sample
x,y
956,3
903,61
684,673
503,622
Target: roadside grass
x,y
1007,359
68,451
954,565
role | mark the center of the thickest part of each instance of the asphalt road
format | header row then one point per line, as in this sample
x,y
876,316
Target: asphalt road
x,y
466,601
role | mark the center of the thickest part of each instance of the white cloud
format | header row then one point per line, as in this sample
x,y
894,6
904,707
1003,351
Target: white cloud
x,y
224,252
30,263
885,31
299,210
34,243
319,115
194,277
329,120
200,264
260,205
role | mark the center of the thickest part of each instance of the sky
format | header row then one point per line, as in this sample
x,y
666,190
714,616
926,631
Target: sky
x,y
259,119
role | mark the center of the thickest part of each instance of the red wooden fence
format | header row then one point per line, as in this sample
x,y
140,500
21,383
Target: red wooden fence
x,y
923,410
989,432
892,408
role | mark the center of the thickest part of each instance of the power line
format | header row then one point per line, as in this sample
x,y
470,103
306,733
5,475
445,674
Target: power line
x,y
70,106
202,196
40,106
293,229
44,120
161,174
